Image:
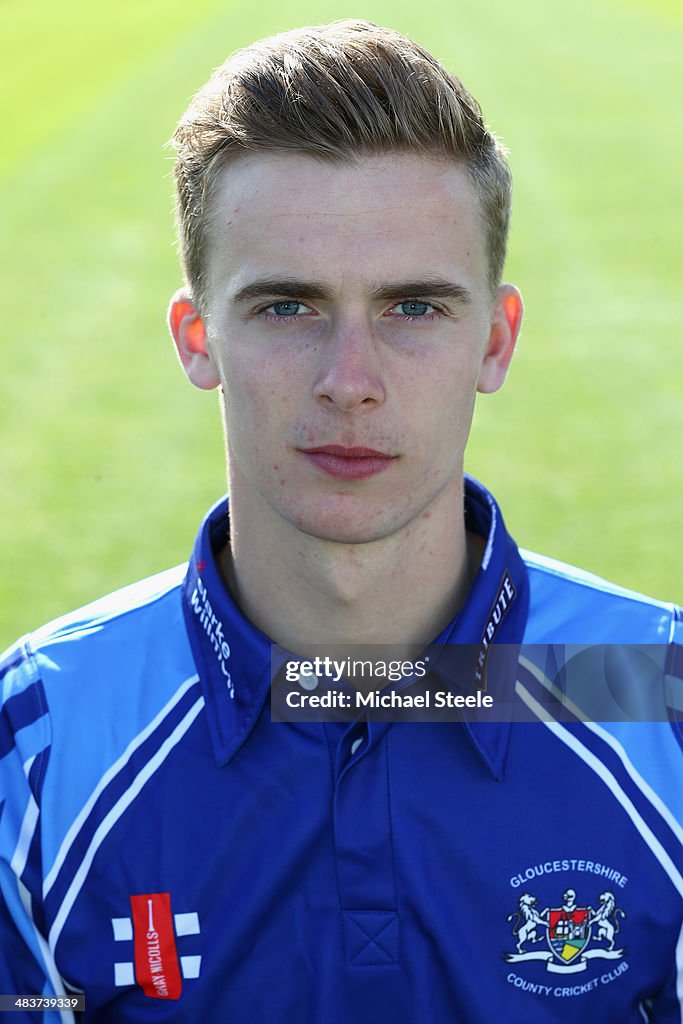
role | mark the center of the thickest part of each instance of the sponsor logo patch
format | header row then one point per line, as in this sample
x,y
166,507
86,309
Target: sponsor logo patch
x,y
213,627
156,960
152,929
504,598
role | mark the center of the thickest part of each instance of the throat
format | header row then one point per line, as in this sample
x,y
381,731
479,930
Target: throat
x,y
348,594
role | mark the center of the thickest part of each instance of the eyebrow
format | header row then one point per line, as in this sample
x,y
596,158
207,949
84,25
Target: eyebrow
x,y
266,286
434,287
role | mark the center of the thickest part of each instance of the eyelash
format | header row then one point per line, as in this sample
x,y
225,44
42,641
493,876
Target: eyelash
x,y
278,318
405,318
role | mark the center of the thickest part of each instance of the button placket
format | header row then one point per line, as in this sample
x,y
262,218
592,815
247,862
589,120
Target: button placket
x,y
364,851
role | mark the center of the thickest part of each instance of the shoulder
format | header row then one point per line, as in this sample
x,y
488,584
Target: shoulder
x,y
107,643
130,607
95,636
83,689
600,644
570,605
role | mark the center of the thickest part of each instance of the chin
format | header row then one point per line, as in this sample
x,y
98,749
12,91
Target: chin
x,y
347,535
358,526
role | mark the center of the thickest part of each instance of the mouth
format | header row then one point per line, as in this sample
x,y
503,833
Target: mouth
x,y
356,463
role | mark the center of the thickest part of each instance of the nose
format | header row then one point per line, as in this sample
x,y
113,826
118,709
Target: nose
x,y
349,376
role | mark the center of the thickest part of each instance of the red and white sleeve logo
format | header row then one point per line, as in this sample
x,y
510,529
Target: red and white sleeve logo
x,y
153,929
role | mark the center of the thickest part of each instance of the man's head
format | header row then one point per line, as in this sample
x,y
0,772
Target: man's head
x,y
343,290
337,93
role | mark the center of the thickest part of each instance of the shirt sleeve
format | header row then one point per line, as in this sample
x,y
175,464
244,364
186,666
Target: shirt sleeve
x,y
27,967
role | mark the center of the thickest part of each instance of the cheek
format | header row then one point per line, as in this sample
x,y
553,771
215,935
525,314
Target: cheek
x,y
256,400
441,423
447,399
269,371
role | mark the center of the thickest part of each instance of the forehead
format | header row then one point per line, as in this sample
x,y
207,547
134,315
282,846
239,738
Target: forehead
x,y
288,212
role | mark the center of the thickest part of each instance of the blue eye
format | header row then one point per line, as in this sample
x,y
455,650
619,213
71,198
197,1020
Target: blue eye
x,y
414,308
286,308
414,311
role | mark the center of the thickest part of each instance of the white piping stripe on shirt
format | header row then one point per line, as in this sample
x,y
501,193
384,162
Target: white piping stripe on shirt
x,y
28,827
66,1016
555,691
603,773
113,770
638,779
672,628
616,746
108,822
492,533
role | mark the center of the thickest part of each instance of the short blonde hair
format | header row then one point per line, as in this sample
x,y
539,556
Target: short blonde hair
x,y
335,92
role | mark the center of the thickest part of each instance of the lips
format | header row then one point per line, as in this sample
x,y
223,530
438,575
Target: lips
x,y
347,453
356,463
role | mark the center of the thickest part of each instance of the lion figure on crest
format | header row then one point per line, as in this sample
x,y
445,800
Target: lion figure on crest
x,y
528,920
606,917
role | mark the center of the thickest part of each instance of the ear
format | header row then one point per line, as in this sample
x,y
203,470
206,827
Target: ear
x,y
189,335
505,324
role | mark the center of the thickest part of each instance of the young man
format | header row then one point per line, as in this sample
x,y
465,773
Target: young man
x,y
169,850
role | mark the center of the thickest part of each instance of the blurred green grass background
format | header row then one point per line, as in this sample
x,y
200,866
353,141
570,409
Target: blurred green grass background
x,y
109,457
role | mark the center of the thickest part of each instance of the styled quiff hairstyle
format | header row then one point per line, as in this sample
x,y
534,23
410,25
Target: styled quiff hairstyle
x,y
334,92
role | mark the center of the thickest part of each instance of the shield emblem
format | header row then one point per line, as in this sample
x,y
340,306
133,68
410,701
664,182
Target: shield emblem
x,y
568,932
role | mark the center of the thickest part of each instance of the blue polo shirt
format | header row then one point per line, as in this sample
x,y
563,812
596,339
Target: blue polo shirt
x,y
170,852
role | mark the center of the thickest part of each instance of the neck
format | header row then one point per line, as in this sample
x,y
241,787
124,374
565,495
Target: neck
x,y
300,590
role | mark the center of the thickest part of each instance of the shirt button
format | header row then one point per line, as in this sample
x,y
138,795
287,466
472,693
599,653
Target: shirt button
x,y
308,682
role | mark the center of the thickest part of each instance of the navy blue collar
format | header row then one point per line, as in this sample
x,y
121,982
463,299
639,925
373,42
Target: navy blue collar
x,y
233,657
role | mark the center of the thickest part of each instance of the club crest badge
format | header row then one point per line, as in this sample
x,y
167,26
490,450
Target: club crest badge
x,y
574,934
